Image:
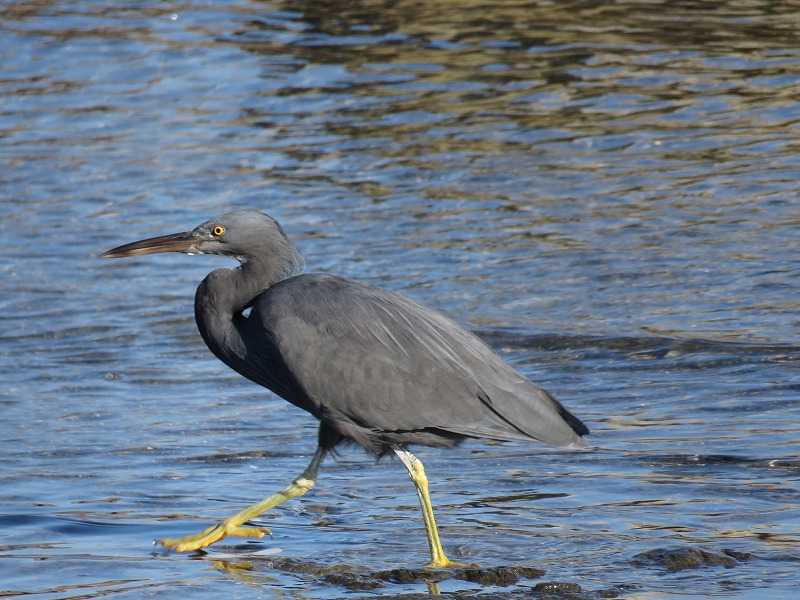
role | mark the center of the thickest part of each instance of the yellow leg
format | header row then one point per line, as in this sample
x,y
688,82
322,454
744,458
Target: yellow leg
x,y
233,526
417,472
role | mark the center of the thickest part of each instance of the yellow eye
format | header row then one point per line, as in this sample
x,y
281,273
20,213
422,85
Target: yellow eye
x,y
218,230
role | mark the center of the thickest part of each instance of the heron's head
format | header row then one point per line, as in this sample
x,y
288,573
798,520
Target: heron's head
x,y
244,234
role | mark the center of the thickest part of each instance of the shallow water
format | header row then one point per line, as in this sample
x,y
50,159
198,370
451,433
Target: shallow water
x,y
605,192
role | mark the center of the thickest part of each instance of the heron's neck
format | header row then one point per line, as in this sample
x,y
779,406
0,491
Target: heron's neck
x,y
225,293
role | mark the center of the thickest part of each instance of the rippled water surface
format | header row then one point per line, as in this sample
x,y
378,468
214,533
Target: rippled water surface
x,y
605,191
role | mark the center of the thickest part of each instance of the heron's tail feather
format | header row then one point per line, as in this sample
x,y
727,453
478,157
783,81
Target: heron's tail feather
x,y
574,422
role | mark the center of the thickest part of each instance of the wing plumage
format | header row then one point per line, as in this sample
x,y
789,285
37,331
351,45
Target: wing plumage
x,y
378,361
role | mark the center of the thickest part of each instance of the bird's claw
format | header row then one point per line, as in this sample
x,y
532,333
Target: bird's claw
x,y
211,535
446,563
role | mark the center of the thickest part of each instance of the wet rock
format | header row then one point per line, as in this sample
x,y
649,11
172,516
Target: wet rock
x,y
500,576
528,572
557,588
409,575
358,578
293,565
616,592
740,556
472,595
680,559
353,581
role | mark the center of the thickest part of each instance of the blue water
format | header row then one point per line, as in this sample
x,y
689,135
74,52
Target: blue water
x,y
605,192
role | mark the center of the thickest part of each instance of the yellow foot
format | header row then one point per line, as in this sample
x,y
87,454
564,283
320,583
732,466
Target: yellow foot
x,y
446,563
211,535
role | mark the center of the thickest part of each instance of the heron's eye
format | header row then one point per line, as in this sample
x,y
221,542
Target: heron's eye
x,y
218,230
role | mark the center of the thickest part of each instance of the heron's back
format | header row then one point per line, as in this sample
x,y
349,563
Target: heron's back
x,y
381,369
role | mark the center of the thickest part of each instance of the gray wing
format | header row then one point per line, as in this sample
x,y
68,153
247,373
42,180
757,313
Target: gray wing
x,y
386,363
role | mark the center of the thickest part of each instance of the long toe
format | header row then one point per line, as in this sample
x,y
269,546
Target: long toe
x,y
210,536
446,563
248,532
189,543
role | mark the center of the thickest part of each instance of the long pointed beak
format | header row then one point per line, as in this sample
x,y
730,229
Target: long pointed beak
x,y
174,242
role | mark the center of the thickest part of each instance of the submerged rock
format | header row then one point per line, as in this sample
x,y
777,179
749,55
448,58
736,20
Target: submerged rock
x,y
680,559
359,578
409,575
557,588
293,565
501,576
352,581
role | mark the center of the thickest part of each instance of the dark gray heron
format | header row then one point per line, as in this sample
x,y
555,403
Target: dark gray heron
x,y
375,368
